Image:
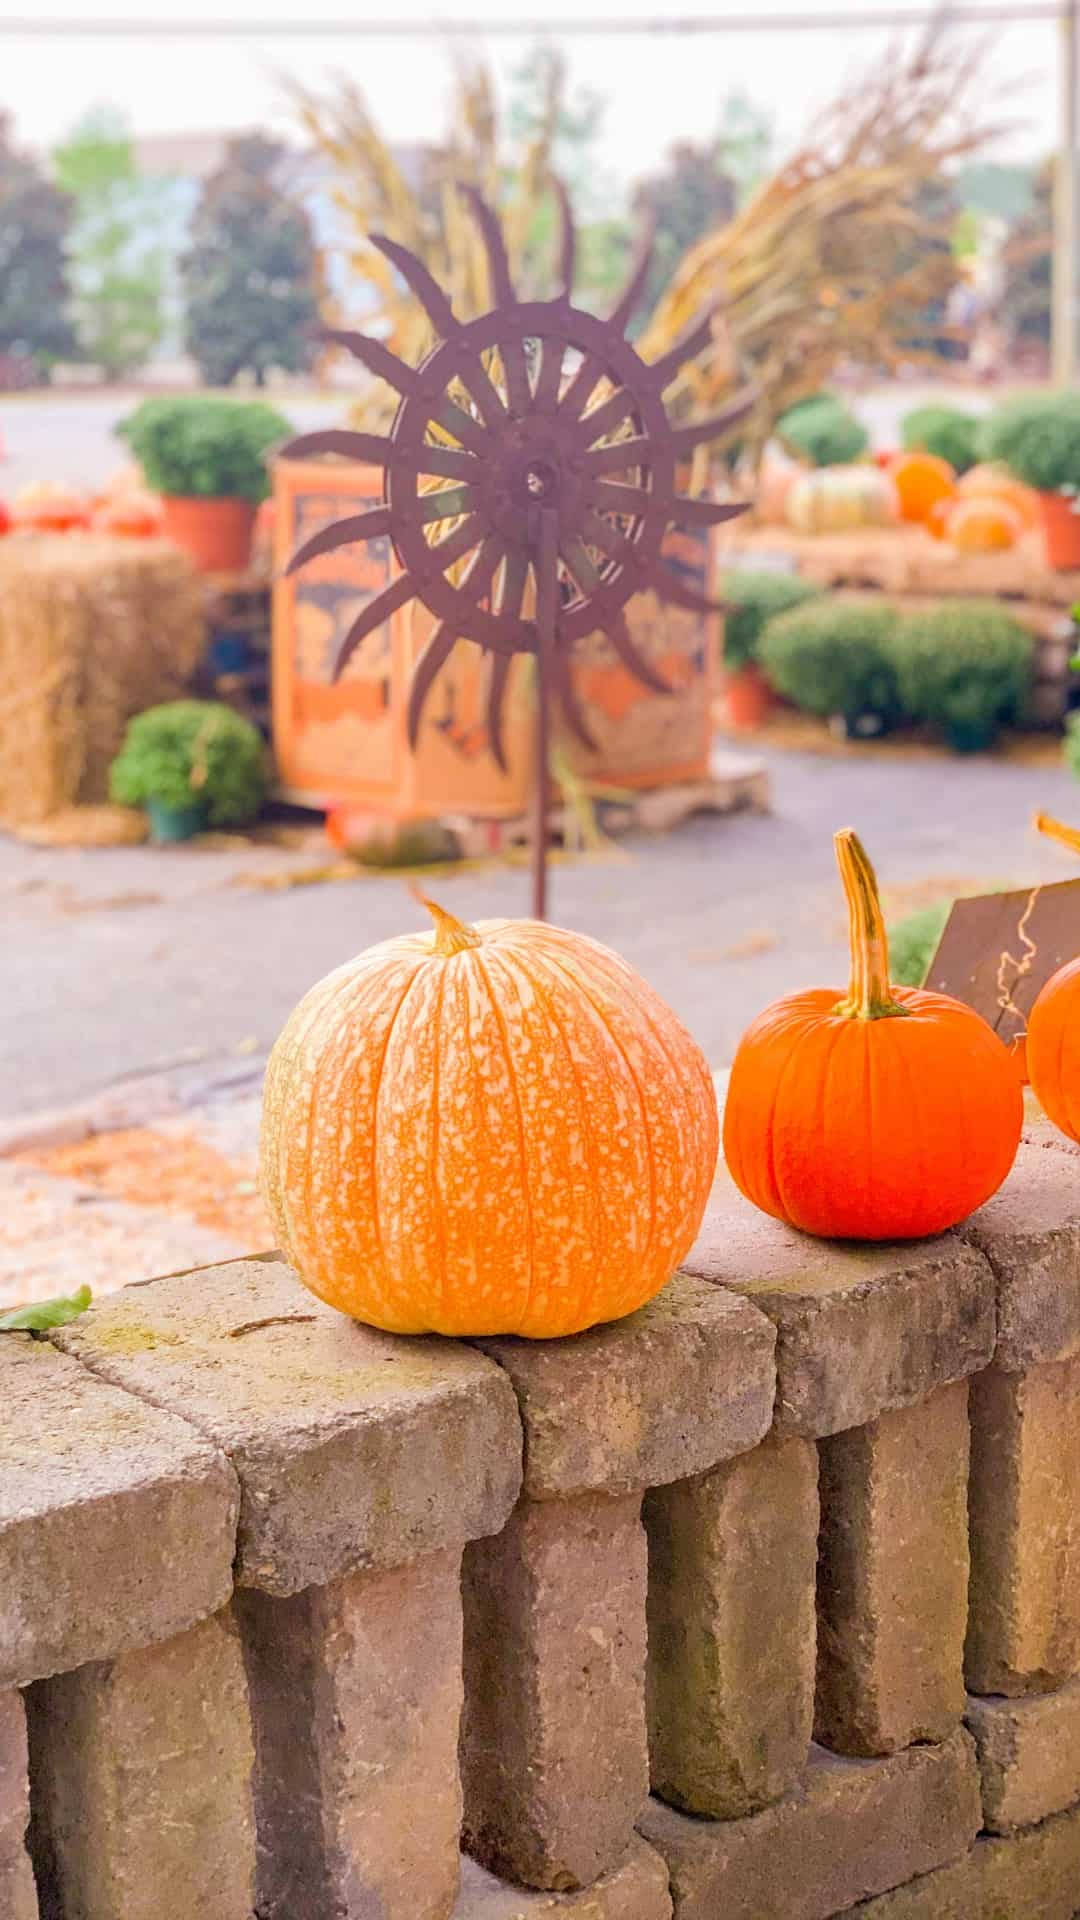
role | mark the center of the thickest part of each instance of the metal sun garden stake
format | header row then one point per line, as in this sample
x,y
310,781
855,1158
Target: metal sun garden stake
x,y
581,498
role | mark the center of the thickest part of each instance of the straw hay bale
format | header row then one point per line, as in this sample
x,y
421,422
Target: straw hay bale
x,y
92,631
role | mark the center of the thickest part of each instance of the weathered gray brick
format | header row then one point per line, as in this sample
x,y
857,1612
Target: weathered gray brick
x,y
354,1449
860,1329
142,1770
683,1383
1024,1613
732,1560
18,1895
854,1827
117,1521
1029,1756
1030,1233
356,1702
554,1750
893,1577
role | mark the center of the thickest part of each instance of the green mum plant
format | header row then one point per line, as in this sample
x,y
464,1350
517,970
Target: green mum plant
x,y
192,753
833,658
198,446
754,597
945,431
1038,439
823,431
965,667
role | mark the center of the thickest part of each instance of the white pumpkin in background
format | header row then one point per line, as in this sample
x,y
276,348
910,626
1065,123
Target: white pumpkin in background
x,y
841,499
777,475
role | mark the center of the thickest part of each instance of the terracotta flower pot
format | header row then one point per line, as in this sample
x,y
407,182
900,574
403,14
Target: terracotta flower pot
x,y
216,533
1061,526
748,697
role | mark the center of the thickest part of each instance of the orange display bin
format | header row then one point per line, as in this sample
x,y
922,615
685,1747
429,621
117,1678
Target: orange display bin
x,y
645,739
345,744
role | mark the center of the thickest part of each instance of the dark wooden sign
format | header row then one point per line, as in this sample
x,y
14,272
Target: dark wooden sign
x,y
998,951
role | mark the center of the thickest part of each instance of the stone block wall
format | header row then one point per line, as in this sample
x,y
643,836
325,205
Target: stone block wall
x,y
761,1604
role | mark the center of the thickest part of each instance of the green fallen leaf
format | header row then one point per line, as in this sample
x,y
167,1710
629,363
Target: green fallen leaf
x,y
46,1313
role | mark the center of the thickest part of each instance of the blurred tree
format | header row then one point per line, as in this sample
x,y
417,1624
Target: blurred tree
x,y
703,186
744,141
35,330
251,276
692,195
541,107
116,250
544,114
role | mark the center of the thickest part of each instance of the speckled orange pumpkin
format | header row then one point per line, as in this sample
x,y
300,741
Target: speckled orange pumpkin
x,y
495,1129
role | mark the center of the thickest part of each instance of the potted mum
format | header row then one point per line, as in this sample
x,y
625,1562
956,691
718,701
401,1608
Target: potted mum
x,y
964,667
1038,439
191,764
753,597
833,659
206,456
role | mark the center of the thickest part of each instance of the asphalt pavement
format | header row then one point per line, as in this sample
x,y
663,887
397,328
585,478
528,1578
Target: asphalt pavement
x,y
123,961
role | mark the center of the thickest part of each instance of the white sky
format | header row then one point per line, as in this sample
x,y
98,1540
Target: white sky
x,y
659,88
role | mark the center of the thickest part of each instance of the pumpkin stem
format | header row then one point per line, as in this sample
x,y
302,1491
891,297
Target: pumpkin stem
x,y
451,935
1057,830
869,996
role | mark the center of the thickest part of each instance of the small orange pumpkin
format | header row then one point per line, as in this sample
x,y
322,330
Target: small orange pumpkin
x,y
983,524
131,516
48,508
937,520
996,483
884,1114
920,479
498,1129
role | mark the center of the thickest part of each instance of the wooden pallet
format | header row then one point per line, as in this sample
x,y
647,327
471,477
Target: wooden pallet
x,y
905,560
737,782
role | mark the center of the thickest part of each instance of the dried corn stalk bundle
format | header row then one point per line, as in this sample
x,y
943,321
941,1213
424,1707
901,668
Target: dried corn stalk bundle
x,y
834,259
92,631
424,209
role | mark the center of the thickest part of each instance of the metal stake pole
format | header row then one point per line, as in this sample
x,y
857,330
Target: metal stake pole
x,y
547,594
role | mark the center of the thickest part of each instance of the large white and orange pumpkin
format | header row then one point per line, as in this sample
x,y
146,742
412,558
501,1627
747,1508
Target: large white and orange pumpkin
x,y
492,1129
